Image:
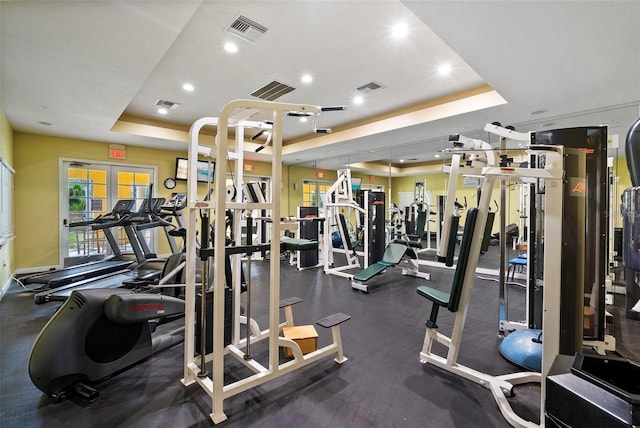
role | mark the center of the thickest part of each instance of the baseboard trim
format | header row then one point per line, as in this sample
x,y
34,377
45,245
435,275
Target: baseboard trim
x,y
35,269
5,287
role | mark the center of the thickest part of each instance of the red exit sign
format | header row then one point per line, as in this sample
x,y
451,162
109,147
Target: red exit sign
x,y
117,151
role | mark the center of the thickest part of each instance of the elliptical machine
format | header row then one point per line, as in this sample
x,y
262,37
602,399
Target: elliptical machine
x,y
97,333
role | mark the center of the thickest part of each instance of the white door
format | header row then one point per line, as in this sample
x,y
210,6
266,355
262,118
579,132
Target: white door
x,y
88,190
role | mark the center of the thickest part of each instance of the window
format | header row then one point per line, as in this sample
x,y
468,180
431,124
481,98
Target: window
x,y
313,193
6,202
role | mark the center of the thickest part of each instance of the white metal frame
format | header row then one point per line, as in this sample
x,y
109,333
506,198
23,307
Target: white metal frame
x,y
502,386
214,385
340,195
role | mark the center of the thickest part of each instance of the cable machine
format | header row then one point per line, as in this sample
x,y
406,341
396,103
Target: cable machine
x,y
196,367
340,197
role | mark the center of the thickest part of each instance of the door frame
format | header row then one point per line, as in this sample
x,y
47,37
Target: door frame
x,y
62,196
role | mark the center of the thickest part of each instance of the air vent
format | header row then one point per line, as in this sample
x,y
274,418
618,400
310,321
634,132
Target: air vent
x,y
369,87
272,91
246,29
169,105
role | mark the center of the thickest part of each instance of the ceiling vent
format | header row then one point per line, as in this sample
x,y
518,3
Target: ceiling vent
x,y
370,87
246,29
169,105
272,91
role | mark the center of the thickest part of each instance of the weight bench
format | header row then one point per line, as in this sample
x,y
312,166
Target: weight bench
x,y
294,245
452,299
394,253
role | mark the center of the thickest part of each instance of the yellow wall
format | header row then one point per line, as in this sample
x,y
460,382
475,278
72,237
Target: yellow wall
x,y
620,170
36,189
37,199
7,263
36,160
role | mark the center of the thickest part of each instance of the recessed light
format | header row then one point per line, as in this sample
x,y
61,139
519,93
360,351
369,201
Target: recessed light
x,y
399,30
306,78
357,100
230,47
436,156
163,111
444,69
188,87
401,160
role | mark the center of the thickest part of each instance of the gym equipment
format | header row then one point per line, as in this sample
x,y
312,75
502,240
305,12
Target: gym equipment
x,y
336,240
585,227
131,279
396,223
451,207
394,253
550,162
145,272
451,300
375,226
303,251
133,225
414,240
97,333
630,210
418,219
593,390
260,371
340,197
116,262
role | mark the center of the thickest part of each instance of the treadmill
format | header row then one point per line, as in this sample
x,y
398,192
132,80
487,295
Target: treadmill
x,y
147,269
114,263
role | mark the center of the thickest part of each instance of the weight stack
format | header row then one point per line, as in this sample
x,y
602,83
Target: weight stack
x,y
228,319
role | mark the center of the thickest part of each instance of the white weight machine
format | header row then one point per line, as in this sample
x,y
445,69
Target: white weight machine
x,y
461,145
196,367
340,197
459,299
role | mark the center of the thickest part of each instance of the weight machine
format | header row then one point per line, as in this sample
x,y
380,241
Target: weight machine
x,y
417,222
452,209
195,367
340,196
458,300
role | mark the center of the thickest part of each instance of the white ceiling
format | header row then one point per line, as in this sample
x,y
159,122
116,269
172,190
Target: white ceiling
x,y
87,67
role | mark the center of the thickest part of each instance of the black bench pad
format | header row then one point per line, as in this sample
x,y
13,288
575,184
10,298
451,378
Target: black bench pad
x,y
332,320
